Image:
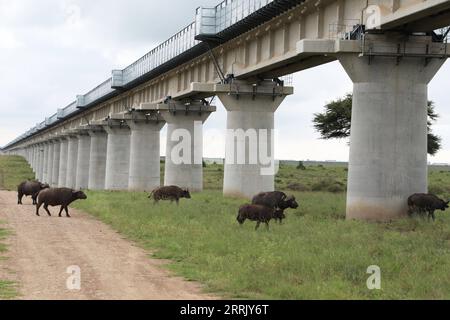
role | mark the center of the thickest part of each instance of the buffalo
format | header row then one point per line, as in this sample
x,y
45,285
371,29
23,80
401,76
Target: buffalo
x,y
30,188
275,200
258,213
172,193
58,197
421,202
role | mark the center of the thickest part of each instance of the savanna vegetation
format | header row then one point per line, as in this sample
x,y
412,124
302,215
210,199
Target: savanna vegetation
x,y
314,254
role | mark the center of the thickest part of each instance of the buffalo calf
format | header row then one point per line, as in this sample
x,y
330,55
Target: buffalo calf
x,y
258,213
172,193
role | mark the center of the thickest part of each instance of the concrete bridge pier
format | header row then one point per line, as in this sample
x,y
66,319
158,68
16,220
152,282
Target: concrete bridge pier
x,y
63,159
388,147
39,157
184,148
83,159
145,154
72,158
50,146
117,156
33,158
55,163
249,159
97,160
45,148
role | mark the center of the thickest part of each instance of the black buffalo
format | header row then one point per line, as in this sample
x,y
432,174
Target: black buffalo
x,y
258,213
30,188
275,200
421,203
58,197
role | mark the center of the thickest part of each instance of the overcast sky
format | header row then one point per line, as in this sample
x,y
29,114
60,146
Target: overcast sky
x,y
52,50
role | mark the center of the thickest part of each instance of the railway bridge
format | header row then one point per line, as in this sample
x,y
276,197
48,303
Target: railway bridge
x,y
239,51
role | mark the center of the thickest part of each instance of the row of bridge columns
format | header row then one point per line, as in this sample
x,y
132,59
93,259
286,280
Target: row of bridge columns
x,y
123,152
388,147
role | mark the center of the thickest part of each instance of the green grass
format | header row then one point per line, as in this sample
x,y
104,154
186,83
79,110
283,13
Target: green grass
x,y
7,288
315,254
13,170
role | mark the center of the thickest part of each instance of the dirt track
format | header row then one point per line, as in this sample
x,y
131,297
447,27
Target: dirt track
x,y
42,248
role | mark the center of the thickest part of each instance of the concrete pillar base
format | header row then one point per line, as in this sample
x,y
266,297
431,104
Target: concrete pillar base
x,y
72,158
97,162
249,159
144,155
63,159
184,149
84,150
117,158
388,147
56,158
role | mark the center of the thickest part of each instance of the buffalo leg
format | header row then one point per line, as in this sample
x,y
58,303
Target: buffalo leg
x,y
46,209
19,198
34,197
61,210
267,225
67,212
37,208
257,225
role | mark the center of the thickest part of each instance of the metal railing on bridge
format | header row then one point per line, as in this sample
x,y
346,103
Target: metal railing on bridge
x,y
208,21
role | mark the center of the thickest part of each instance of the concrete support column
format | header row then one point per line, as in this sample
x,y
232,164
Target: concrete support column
x,y
50,162
117,157
84,150
249,155
39,160
72,158
388,146
184,148
97,161
33,159
45,162
55,168
63,161
144,155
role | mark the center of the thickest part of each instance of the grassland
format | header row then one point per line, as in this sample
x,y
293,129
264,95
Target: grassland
x,y
314,254
13,170
7,288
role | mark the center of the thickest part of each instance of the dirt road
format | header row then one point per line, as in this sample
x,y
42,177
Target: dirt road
x,y
41,250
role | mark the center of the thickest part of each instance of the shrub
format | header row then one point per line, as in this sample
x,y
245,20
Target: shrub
x,y
301,166
297,187
329,185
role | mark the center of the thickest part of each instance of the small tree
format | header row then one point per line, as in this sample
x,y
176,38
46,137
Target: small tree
x,y
301,166
335,122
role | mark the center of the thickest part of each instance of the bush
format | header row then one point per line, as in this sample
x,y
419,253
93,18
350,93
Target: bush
x,y
329,185
301,166
297,187
438,190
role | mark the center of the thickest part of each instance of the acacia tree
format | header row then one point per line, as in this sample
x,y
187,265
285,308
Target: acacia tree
x,y
335,122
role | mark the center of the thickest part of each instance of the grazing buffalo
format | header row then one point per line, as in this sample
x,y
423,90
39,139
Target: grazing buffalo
x,y
421,203
58,197
30,188
275,200
172,193
258,213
